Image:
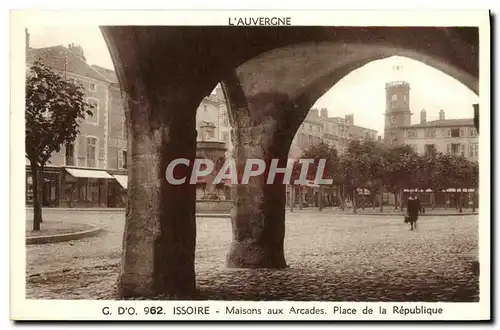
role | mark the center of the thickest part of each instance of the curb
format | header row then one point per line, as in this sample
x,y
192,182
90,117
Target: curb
x,y
387,214
117,209
63,237
80,209
213,215
420,215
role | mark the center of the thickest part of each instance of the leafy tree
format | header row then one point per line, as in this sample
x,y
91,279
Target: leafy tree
x,y
473,181
360,167
461,177
318,152
54,107
402,162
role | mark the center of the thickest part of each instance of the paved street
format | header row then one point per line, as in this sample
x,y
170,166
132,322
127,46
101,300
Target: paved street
x,y
331,257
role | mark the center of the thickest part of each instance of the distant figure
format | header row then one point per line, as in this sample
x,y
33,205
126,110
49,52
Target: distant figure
x,y
413,208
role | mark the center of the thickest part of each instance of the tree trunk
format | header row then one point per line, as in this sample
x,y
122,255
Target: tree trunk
x,y
382,199
354,200
291,197
433,200
300,197
445,200
37,203
320,198
342,199
401,204
396,202
461,201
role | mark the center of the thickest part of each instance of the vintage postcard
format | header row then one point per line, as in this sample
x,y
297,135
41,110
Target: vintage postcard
x,y
250,165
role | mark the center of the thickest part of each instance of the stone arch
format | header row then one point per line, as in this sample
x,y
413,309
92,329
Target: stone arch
x,y
165,71
280,86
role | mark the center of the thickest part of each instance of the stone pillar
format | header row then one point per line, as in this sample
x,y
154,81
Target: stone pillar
x,y
258,214
160,229
161,92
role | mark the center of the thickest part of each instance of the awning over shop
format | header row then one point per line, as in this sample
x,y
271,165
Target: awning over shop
x,y
94,174
122,180
459,190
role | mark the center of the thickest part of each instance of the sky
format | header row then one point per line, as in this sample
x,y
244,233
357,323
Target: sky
x,y
361,93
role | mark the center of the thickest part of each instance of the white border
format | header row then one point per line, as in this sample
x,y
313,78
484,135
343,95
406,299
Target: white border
x,y
64,310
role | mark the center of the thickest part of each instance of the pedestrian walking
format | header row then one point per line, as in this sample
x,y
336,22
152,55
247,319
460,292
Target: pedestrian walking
x,y
413,208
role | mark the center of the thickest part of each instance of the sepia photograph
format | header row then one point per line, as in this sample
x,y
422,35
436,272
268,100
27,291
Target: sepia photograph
x,y
250,162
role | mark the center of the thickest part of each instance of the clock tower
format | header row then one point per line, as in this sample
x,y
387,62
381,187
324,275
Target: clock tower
x,y
397,113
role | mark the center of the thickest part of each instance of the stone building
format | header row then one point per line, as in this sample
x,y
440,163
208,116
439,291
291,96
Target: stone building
x,y
334,131
452,136
212,121
91,171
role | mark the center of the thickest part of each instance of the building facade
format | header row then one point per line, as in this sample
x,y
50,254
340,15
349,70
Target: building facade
x,y
92,171
334,131
89,172
450,136
212,120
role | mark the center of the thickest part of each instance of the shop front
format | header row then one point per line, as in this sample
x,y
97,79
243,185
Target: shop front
x,y
117,190
84,188
50,180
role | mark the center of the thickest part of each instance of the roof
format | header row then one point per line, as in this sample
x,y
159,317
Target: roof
x,y
445,123
108,73
365,128
62,59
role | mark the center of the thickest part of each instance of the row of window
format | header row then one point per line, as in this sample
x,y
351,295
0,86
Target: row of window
x,y
457,149
91,145
222,116
95,105
306,141
93,102
92,86
448,132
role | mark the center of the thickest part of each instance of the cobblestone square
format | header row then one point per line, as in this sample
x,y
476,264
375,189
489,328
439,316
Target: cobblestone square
x,y
331,257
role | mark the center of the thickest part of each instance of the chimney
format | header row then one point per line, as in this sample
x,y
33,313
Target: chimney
x,y
423,116
441,114
324,113
314,112
77,50
349,119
